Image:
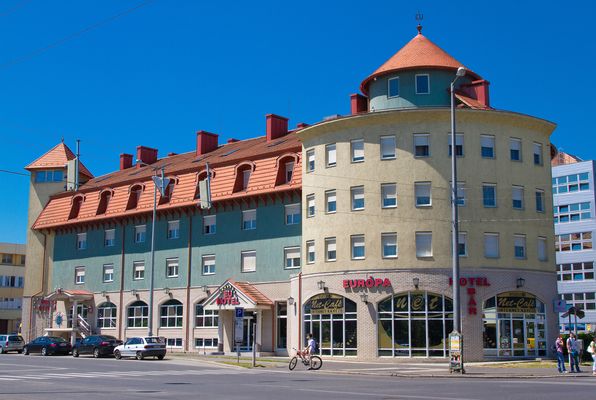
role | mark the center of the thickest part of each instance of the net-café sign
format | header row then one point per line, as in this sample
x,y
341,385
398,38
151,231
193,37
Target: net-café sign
x,y
327,304
516,304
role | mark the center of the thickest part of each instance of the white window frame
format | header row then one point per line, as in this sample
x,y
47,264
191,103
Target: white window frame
x,y
140,233
81,241
310,160
542,246
388,239
540,154
246,178
357,193
172,267
249,219
423,238
292,213
517,141
357,150
491,145
330,245
357,241
246,256
209,224
174,229
424,137
459,143
310,206
79,275
292,251
289,169
517,194
109,237
539,194
105,272
138,270
331,155
208,264
388,192
386,142
310,249
416,83
520,239
462,240
330,197
495,238
494,186
418,188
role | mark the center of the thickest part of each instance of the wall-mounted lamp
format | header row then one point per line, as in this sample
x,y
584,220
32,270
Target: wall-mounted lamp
x,y
520,282
104,294
416,282
364,298
134,292
321,285
291,300
167,290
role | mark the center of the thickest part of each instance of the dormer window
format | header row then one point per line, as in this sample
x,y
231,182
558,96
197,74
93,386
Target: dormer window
x,y
201,176
393,87
169,190
75,207
104,201
289,171
134,196
422,84
243,173
285,169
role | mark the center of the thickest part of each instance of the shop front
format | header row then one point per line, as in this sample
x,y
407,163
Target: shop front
x,y
70,318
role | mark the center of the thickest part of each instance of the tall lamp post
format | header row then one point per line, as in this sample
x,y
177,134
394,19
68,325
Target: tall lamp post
x,y
457,328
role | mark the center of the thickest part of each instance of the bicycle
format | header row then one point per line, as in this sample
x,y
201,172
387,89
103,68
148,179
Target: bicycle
x,y
311,361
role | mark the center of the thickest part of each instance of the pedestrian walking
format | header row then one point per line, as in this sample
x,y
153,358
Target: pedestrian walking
x,y
573,349
560,348
592,351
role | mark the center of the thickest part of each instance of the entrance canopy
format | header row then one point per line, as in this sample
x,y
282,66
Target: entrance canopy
x,y
69,295
237,294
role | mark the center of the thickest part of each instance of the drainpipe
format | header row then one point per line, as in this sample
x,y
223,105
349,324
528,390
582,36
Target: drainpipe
x,y
122,259
299,311
188,280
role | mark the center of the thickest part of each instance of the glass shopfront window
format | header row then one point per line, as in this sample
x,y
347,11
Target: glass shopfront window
x,y
414,324
514,325
331,319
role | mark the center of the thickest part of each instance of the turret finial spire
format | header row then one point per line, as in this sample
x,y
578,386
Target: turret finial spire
x,y
419,18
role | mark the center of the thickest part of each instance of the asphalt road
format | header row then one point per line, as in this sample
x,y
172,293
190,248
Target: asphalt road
x,y
64,377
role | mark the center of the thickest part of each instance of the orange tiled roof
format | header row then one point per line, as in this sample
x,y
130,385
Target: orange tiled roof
x,y
470,102
57,157
185,167
419,52
562,158
252,292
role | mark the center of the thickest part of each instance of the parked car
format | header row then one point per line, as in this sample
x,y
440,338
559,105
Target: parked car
x,y
141,347
47,345
98,345
11,343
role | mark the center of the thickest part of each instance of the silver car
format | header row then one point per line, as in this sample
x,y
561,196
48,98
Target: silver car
x,y
11,343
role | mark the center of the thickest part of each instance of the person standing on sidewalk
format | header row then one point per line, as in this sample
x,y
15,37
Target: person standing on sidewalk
x,y
592,351
573,350
560,346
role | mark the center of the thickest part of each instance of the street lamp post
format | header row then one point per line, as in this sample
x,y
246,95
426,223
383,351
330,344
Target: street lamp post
x,y
457,328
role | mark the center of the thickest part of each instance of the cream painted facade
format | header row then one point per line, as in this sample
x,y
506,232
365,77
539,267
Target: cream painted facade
x,y
12,272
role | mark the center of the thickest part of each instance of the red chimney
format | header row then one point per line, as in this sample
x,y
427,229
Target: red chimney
x,y
358,103
125,161
146,155
477,90
206,142
232,140
301,125
276,127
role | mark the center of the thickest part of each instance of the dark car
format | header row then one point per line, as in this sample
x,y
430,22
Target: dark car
x,y
47,345
98,345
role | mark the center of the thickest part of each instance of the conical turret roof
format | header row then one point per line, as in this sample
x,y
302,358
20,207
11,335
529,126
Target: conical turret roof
x,y
57,157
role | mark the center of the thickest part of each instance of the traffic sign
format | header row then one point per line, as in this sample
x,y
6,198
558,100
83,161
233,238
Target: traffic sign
x,y
239,312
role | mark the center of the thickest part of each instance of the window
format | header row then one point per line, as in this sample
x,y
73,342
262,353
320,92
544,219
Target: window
x,y
140,233
576,272
462,244
459,145
81,241
109,237
574,241
249,261
540,201
542,256
173,229
330,202
208,264
519,244
209,224
108,273
487,146
537,154
6,258
138,270
292,212
174,342
137,315
389,245
104,201
310,206
245,178
106,315
393,87
289,171
388,195
330,249
281,316
330,155
357,150
172,267
79,275
584,301
357,194
515,149
206,318
49,176
460,193
489,195
310,252
421,145
337,334
23,259
75,208
422,193
310,161
491,245
249,220
358,247
572,212
571,183
388,146
517,197
422,84
171,313
134,197
292,257
205,343
424,241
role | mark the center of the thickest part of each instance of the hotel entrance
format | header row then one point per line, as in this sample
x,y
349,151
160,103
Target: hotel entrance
x,y
248,332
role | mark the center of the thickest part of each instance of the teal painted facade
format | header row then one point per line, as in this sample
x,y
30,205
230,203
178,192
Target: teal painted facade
x,y
269,239
407,98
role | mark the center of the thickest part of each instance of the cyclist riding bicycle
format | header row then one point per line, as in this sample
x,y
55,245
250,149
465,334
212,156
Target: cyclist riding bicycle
x,y
311,346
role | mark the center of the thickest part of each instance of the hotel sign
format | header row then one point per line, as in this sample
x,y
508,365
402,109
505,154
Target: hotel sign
x,y
327,304
227,296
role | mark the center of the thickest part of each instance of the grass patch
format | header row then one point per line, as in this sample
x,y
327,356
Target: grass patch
x,y
243,364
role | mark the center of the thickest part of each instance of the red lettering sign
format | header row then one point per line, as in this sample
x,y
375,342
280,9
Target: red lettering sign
x,y
472,282
227,297
366,283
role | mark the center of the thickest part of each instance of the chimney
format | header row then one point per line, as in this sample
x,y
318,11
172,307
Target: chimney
x,y
170,154
232,140
276,127
358,103
146,155
206,142
477,90
301,125
125,161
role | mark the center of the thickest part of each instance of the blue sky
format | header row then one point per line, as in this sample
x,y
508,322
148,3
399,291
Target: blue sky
x,y
157,74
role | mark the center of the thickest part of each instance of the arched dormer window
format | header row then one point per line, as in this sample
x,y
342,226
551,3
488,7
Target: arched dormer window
x,y
104,200
134,196
243,172
165,199
75,206
285,168
201,176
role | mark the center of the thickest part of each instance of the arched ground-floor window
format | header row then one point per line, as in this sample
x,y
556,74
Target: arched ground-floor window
x,y
331,319
171,314
414,324
514,325
106,315
137,315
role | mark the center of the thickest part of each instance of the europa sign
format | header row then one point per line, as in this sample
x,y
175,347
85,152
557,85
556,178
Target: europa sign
x,y
366,283
327,304
227,296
